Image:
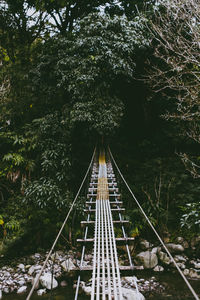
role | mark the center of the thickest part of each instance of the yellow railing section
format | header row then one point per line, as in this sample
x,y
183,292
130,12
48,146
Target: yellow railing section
x,y
102,188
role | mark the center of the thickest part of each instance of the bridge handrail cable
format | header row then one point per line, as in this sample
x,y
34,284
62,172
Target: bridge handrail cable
x,y
153,228
61,229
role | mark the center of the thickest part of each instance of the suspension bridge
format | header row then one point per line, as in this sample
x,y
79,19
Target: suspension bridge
x,y
104,211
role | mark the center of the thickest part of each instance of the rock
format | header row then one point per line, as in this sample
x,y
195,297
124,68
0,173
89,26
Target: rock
x,y
29,279
22,289
21,267
164,258
186,272
87,289
31,270
193,274
130,280
180,239
181,265
63,283
148,259
144,245
6,274
27,266
46,281
89,257
55,256
21,282
179,258
41,292
156,250
68,265
197,265
1,294
158,269
37,255
6,290
130,294
175,248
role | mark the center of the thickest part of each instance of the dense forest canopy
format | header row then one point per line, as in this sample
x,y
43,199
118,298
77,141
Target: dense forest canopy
x,y
72,72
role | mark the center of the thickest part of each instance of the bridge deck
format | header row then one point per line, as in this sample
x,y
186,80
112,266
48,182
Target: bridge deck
x,y
106,283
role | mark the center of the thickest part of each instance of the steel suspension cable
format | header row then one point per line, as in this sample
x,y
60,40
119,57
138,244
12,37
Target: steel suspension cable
x,y
61,229
153,228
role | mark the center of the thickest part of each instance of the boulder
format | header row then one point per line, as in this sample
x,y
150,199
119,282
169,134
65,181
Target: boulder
x,y
156,250
68,265
31,270
186,272
6,290
180,258
164,258
158,269
46,281
148,259
1,294
181,265
193,274
21,282
175,248
41,292
38,267
87,289
22,289
21,267
197,265
131,294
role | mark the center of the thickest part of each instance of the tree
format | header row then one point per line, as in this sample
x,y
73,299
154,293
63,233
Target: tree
x,y
63,15
130,8
90,67
175,71
174,74
20,26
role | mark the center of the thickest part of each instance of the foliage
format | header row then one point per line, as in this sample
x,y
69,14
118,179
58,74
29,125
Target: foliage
x,y
130,7
91,67
175,71
71,73
191,217
54,148
20,26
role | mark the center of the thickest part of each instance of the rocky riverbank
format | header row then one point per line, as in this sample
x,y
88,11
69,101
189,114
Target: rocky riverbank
x,y
157,259
18,277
